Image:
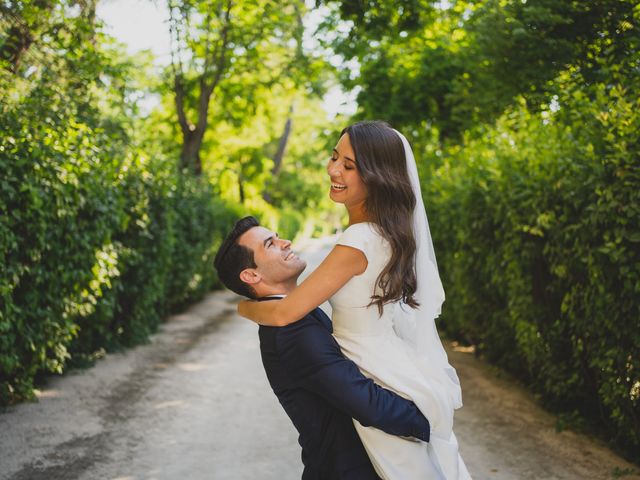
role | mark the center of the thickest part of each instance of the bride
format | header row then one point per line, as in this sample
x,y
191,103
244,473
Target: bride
x,y
382,281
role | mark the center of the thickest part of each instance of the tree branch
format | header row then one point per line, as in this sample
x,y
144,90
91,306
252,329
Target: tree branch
x,y
178,89
176,67
206,88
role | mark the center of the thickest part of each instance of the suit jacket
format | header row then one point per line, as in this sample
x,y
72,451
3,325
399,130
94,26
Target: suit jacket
x,y
321,391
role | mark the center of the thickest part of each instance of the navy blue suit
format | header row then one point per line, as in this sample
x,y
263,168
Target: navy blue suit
x,y
321,391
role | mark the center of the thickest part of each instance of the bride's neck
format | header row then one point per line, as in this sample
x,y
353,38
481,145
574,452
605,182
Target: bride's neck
x,y
358,214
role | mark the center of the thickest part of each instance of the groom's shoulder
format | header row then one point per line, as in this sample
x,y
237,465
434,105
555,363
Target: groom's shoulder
x,y
307,341
320,315
314,316
311,320
314,329
302,334
315,323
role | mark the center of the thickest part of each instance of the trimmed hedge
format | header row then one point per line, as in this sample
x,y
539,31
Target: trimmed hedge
x,y
98,243
537,229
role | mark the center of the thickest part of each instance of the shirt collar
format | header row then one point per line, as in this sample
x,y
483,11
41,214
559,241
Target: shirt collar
x,y
275,296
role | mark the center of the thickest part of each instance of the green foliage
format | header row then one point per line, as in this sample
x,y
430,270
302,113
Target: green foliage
x,y
97,243
230,51
101,234
457,66
524,115
261,79
98,238
537,225
240,145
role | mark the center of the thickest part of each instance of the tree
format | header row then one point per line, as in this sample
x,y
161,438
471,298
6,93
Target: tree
x,y
459,66
217,42
25,23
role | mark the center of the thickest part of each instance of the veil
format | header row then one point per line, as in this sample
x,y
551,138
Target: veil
x,y
417,326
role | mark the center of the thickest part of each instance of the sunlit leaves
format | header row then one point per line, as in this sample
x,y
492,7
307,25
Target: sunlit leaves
x,y
99,238
460,67
535,224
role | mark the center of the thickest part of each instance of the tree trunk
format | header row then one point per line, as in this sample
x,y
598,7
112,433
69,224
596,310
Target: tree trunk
x,y
19,39
88,13
22,34
215,64
240,188
190,154
282,145
279,156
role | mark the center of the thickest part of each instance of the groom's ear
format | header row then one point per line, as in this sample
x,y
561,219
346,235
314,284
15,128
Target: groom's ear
x,y
250,276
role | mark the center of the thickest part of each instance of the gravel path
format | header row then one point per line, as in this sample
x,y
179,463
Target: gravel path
x,y
194,404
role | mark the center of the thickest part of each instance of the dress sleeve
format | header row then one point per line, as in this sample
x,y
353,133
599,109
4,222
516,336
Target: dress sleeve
x,y
357,236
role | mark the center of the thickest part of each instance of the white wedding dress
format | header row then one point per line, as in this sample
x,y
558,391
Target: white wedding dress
x,y
372,343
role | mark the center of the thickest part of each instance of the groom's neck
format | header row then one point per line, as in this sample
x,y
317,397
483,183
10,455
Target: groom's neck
x,y
279,289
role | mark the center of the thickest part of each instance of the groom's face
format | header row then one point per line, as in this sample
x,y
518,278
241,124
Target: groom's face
x,y
273,257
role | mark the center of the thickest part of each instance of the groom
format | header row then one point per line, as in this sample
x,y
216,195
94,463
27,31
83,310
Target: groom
x,y
319,389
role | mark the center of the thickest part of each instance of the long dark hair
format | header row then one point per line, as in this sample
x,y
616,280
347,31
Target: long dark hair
x,y
381,162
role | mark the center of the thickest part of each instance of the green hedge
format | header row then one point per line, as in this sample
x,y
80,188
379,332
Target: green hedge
x,y
537,226
97,242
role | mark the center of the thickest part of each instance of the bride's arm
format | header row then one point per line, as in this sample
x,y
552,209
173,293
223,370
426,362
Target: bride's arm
x,y
336,269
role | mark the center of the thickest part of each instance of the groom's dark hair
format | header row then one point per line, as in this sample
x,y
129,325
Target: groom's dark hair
x,y
232,258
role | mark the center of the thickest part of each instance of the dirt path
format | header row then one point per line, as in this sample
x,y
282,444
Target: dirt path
x,y
505,435
194,404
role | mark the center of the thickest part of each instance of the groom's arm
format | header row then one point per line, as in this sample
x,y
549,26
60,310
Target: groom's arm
x,y
315,362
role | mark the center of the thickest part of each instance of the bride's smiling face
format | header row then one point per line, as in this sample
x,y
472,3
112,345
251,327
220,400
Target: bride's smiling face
x,y
346,184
